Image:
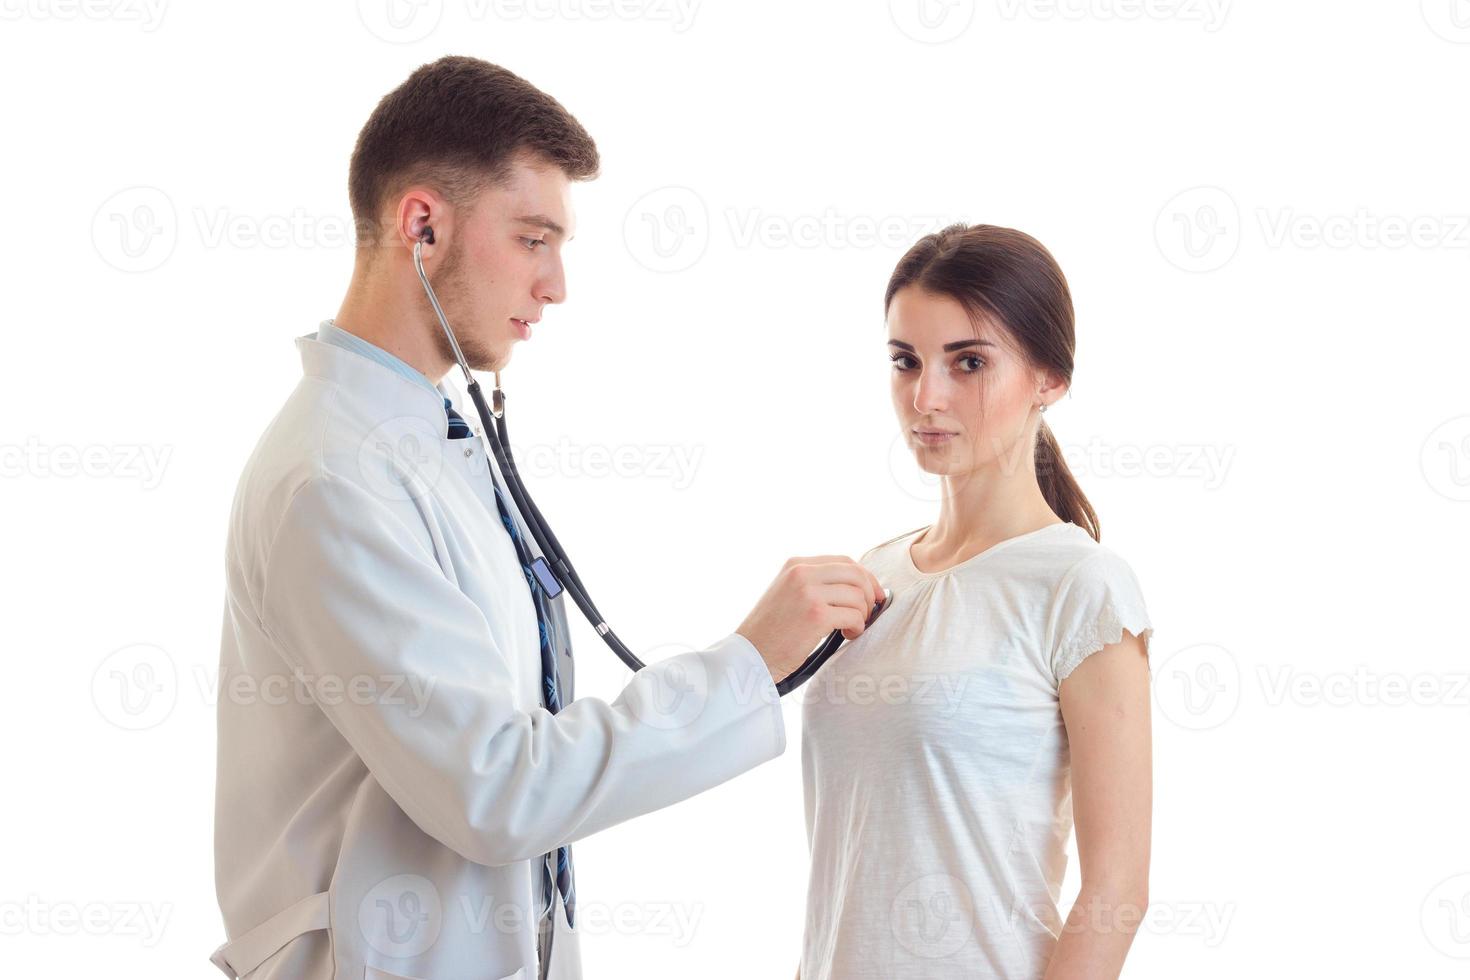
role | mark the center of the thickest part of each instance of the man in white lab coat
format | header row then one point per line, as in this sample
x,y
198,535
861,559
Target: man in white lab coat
x,y
396,787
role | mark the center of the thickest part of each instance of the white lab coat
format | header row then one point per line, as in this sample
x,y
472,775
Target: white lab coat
x,y
387,779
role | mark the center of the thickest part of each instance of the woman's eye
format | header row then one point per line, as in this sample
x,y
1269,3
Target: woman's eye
x,y
902,362
973,363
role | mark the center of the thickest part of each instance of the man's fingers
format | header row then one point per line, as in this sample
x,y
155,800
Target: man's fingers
x,y
846,605
832,569
855,575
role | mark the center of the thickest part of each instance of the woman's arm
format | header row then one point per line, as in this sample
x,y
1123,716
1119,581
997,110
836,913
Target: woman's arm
x,y
1105,705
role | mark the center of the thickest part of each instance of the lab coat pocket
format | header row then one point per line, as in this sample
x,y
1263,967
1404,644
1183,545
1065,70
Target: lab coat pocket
x,y
566,949
373,973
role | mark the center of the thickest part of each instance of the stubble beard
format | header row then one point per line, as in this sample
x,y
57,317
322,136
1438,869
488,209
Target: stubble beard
x,y
451,286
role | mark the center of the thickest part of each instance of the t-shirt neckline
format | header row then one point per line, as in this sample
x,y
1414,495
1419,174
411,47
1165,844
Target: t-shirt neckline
x,y
914,569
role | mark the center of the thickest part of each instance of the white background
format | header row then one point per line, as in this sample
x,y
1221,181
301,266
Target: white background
x,y
1261,209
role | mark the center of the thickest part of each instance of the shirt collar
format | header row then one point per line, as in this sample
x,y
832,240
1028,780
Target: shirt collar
x,y
380,394
329,333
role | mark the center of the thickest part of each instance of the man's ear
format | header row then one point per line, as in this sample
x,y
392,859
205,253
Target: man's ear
x,y
421,215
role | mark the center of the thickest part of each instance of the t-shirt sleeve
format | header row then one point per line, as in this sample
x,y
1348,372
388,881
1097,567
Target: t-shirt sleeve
x,y
1096,601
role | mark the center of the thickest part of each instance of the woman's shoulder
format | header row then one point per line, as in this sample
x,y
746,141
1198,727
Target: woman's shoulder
x,y
889,559
1080,552
890,545
1097,597
1047,557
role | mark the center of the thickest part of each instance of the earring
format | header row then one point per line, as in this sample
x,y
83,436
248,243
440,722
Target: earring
x,y
1043,409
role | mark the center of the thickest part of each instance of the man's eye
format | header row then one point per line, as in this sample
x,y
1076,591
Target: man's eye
x,y
531,243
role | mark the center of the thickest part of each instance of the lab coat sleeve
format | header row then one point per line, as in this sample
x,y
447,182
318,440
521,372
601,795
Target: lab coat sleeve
x,y
352,590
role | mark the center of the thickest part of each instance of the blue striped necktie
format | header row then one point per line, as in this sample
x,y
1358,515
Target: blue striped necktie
x,y
550,645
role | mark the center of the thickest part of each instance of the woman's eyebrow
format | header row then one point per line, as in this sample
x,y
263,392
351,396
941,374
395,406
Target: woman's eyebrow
x,y
955,345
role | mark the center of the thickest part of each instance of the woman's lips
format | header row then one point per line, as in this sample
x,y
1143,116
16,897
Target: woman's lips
x,y
933,438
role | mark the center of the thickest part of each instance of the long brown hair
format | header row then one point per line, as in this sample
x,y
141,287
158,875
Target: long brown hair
x,y
1007,276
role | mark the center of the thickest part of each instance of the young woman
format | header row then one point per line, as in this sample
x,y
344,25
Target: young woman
x,y
1004,696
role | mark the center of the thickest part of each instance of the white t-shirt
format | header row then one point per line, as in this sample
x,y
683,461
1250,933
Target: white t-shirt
x,y
935,760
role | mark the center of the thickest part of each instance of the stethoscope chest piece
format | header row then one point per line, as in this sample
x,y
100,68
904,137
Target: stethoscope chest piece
x,y
881,607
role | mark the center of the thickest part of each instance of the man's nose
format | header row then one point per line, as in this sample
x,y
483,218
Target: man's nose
x,y
552,287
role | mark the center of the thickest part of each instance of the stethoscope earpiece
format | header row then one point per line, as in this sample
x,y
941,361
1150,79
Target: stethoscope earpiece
x,y
427,235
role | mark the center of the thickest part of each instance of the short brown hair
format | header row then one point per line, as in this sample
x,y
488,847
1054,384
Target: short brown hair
x,y
456,124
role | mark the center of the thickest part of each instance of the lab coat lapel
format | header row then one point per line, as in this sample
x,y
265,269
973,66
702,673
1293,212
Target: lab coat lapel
x,y
564,665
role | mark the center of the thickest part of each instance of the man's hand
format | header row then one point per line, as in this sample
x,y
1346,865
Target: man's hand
x,y
810,598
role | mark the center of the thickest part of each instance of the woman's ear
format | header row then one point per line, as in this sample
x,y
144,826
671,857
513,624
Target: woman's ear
x,y
1051,387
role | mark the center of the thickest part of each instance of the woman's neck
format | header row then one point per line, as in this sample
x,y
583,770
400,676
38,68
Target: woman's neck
x,y
977,512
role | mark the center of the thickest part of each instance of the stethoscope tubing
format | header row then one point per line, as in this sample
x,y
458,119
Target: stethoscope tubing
x,y
498,438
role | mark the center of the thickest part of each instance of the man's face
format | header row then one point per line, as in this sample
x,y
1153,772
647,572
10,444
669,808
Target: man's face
x,y
504,264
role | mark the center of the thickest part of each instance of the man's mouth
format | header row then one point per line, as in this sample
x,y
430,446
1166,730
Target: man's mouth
x,y
523,327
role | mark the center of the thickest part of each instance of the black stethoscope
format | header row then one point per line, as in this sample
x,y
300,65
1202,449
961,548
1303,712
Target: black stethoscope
x,y
561,574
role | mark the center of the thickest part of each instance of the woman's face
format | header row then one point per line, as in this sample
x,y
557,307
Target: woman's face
x,y
964,398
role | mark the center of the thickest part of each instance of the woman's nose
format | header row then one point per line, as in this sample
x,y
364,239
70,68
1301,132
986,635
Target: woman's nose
x,y
930,394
